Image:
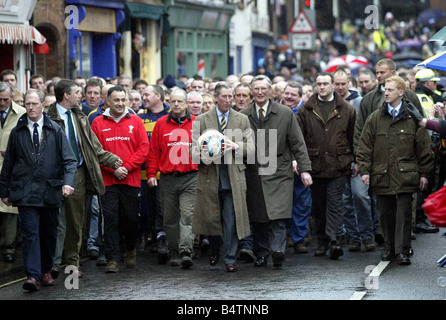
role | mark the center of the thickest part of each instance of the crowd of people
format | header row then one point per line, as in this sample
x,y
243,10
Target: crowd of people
x,y
113,167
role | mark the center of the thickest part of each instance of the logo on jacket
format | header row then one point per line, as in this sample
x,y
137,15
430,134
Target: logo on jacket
x,y
131,129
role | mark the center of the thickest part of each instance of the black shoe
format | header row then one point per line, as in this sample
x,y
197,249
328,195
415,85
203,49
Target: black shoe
x,y
101,261
93,254
425,227
379,239
186,260
55,271
278,259
402,260
213,259
247,255
163,250
335,252
299,247
411,252
8,257
321,251
387,255
261,262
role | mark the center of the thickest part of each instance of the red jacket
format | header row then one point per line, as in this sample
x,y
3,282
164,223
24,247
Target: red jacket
x,y
128,140
170,147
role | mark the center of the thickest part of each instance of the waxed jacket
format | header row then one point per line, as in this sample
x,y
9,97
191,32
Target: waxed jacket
x,y
394,152
329,143
36,181
91,149
373,101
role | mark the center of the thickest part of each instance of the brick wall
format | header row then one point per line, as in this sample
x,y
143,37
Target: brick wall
x,y
49,17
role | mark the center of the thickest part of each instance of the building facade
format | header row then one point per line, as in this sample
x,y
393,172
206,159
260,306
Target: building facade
x,y
195,39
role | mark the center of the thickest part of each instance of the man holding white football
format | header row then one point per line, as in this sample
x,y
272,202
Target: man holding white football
x,y
220,209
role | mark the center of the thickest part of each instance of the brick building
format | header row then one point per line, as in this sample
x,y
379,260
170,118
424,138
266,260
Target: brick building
x,y
49,17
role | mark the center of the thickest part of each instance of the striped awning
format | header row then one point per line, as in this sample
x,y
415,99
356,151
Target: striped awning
x,y
20,34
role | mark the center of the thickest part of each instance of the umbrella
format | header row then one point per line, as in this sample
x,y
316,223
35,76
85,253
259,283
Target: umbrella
x,y
431,16
437,62
409,64
407,55
409,43
354,62
440,36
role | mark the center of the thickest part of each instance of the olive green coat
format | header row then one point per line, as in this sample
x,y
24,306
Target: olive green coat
x,y
270,194
373,101
14,115
394,152
207,218
91,149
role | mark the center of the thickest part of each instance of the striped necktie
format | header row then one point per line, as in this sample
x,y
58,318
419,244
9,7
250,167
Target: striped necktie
x,y
223,122
393,113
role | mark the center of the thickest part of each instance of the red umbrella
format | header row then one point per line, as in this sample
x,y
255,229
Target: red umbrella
x,y
354,62
435,208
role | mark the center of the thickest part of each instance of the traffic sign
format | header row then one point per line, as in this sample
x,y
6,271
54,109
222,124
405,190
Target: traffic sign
x,y
302,24
302,41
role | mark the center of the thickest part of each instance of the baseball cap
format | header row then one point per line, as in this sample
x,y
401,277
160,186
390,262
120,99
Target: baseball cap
x,y
426,75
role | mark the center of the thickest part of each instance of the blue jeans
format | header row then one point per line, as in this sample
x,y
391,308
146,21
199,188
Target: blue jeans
x,y
357,210
94,210
299,224
39,237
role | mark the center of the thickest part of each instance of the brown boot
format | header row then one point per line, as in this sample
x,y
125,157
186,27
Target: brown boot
x,y
130,259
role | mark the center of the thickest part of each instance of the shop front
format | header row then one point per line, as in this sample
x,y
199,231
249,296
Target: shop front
x,y
93,44
197,39
19,40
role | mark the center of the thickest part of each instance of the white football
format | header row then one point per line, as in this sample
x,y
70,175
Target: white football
x,y
212,144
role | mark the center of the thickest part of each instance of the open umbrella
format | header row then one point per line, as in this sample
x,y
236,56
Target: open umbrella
x,y
440,36
354,62
437,62
431,16
408,55
409,43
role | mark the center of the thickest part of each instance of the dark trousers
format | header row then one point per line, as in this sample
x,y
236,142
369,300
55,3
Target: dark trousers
x,y
151,221
120,205
395,217
230,238
269,237
39,235
328,208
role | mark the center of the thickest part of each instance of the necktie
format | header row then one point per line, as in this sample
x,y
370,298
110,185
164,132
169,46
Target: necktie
x,y
223,122
36,140
261,116
2,117
72,136
393,113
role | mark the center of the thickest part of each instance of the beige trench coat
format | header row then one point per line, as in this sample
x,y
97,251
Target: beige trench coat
x,y
14,115
207,218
